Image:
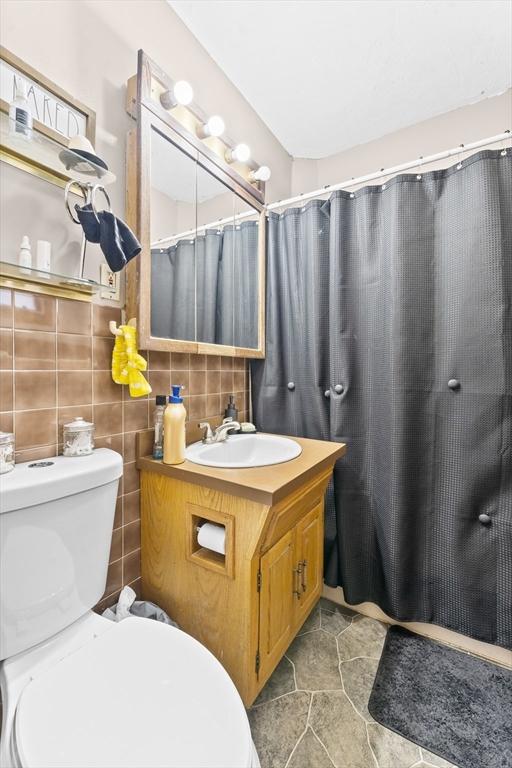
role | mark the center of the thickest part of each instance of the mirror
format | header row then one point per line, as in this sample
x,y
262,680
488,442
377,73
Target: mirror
x,y
205,253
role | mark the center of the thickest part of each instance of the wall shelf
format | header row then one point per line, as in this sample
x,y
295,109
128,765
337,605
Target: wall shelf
x,y
46,157
39,281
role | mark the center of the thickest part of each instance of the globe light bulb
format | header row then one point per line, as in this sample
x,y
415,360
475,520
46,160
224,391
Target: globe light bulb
x,y
241,153
215,126
263,173
183,92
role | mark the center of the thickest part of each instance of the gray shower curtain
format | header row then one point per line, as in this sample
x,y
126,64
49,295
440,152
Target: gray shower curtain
x,y
389,327
205,288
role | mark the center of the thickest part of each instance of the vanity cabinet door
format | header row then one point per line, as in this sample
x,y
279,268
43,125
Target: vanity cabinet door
x,y
309,559
277,615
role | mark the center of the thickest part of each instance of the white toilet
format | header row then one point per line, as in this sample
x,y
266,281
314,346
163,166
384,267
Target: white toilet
x,y
79,690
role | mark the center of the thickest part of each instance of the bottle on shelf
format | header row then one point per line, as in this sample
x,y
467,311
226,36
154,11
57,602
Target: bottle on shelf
x,y
174,428
20,116
158,420
25,254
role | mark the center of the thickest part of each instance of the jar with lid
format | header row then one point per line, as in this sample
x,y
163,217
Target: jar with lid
x,y
6,452
78,437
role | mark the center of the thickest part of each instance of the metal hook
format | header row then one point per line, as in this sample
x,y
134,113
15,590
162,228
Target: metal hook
x,y
99,188
84,188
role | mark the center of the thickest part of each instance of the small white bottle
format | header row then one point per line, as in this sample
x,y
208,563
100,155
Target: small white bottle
x,y
25,254
20,116
43,255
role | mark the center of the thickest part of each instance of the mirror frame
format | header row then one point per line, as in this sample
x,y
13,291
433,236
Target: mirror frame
x,y
150,115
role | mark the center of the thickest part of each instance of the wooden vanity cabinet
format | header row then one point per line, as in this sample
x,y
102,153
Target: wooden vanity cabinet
x,y
245,606
291,583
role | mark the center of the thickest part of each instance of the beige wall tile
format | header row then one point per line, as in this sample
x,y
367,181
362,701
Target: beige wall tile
x,y
197,362
74,388
6,391
6,308
116,545
35,389
37,454
131,502
180,361
131,537
104,388
226,381
34,311
74,352
102,353
6,349
131,567
158,361
130,478
74,317
197,383
108,419
6,421
34,350
212,382
135,415
36,428
101,317
212,362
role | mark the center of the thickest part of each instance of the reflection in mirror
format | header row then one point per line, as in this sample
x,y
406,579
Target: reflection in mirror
x,y
204,253
215,212
173,212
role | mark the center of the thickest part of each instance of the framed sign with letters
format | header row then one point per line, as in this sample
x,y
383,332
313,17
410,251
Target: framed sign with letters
x,y
57,118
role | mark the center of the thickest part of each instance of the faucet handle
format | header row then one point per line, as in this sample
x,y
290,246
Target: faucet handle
x,y
227,419
208,434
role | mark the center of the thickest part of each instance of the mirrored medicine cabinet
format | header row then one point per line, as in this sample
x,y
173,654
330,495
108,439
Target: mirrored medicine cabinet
x,y
198,285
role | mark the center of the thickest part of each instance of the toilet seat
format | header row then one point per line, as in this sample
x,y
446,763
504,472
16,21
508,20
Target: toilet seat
x,y
140,694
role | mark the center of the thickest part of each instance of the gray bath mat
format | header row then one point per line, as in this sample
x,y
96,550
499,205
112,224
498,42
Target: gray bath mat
x,y
453,704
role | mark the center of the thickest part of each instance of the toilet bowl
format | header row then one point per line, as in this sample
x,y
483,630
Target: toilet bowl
x,y
95,693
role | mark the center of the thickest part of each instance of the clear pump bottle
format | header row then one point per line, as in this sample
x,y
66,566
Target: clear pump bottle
x,y
158,420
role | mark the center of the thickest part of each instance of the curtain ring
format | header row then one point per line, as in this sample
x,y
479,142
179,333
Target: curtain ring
x,y
85,191
419,176
461,153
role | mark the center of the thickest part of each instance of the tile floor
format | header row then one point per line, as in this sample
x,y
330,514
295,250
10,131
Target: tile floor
x,y
313,711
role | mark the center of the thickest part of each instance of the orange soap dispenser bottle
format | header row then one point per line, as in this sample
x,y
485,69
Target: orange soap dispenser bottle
x,y
174,428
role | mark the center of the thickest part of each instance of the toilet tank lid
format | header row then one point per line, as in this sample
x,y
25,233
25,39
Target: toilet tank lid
x,y
37,482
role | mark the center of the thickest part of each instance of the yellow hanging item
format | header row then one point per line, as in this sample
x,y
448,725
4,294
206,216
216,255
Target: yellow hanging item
x,y
127,364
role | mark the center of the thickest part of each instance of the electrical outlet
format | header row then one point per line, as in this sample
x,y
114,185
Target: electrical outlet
x,y
107,277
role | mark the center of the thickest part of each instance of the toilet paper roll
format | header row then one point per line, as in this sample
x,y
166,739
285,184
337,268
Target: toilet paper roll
x,y
211,536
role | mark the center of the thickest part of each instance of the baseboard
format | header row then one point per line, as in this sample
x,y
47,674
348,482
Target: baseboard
x,y
484,650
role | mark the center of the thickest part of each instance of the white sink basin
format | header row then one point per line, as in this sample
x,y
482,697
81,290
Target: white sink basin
x,y
239,451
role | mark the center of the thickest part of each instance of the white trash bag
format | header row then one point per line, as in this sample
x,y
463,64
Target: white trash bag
x,y
127,606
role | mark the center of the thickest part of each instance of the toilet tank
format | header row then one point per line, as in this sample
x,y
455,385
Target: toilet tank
x,y
56,519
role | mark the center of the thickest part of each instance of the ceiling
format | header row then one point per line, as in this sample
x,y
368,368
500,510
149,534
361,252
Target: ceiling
x,y
326,75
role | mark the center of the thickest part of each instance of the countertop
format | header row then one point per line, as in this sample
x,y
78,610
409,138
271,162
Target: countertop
x,y
266,485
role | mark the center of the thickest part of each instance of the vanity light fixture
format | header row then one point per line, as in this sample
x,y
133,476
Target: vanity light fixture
x,y
213,127
241,153
263,173
182,93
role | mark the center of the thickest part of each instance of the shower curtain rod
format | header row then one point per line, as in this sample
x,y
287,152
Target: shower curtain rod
x,y
344,185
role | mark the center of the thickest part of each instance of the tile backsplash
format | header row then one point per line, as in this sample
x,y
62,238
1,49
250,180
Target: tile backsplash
x,y
55,358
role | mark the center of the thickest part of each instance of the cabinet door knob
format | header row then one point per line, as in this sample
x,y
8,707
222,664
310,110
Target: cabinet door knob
x,y
339,389
454,384
327,393
291,386
484,519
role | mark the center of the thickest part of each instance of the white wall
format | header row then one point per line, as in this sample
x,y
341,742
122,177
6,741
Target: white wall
x,y
460,126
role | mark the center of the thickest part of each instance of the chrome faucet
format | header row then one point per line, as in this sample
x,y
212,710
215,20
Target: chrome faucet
x,y
221,433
